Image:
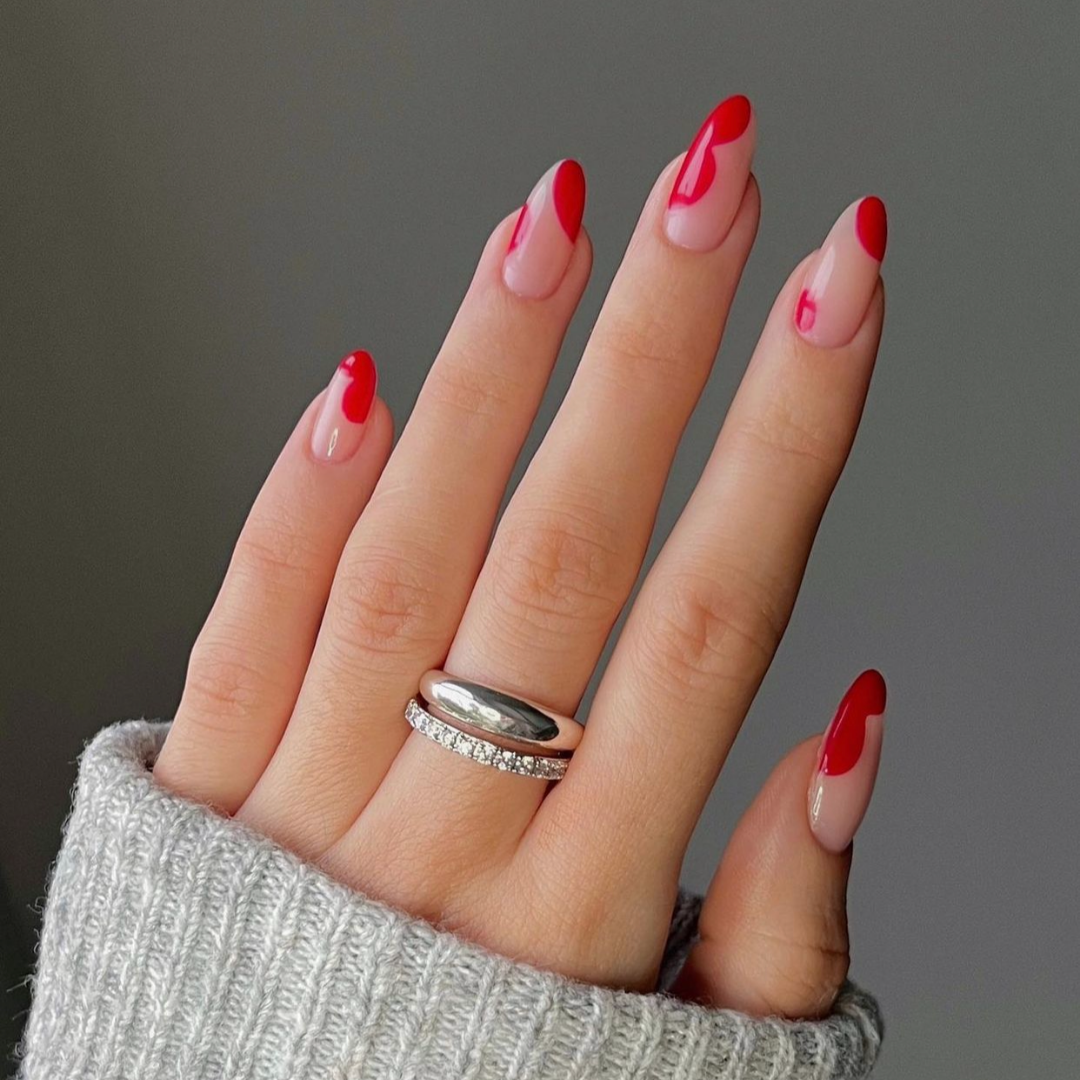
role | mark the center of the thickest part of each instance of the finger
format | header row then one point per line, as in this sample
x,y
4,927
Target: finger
x,y
248,663
773,926
570,545
408,568
713,608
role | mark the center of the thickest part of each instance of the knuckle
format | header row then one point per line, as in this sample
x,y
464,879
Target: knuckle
x,y
798,978
640,351
558,568
226,684
701,630
462,385
275,554
781,435
384,604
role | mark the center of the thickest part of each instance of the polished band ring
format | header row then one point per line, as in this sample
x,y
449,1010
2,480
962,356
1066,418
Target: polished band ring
x,y
481,750
493,714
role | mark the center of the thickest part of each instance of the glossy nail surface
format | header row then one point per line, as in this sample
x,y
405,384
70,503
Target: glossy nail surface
x,y
342,421
547,229
709,188
841,277
847,763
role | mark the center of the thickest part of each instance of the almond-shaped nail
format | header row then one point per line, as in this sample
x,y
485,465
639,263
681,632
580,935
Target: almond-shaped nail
x,y
847,763
342,421
547,228
841,277
709,188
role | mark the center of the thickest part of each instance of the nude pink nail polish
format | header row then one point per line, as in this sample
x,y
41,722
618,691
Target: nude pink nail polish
x,y
847,764
841,277
342,421
709,188
545,233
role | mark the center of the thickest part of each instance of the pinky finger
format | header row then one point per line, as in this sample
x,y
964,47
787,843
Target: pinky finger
x,y
773,927
250,658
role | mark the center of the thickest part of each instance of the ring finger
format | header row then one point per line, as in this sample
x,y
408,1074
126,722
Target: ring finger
x,y
571,543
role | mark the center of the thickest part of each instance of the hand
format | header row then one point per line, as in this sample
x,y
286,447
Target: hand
x,y
358,570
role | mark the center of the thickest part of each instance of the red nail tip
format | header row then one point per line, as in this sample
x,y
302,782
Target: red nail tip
x,y
731,118
569,198
805,311
872,227
725,124
360,393
843,743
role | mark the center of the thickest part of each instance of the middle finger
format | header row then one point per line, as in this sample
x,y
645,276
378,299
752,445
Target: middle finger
x,y
571,542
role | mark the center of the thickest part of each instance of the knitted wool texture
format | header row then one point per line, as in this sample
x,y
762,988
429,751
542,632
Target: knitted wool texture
x,y
179,944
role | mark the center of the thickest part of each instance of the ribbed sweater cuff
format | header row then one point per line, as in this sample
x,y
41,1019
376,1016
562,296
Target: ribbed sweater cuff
x,y
179,944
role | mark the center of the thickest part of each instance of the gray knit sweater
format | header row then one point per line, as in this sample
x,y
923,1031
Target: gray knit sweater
x,y
179,944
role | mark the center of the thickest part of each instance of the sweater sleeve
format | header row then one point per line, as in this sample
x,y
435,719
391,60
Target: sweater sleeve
x,y
178,944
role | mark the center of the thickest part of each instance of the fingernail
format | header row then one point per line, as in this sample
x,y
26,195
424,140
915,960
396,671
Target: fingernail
x,y
841,277
709,188
847,763
342,422
547,229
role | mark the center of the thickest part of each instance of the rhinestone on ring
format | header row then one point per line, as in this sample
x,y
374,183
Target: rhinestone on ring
x,y
482,751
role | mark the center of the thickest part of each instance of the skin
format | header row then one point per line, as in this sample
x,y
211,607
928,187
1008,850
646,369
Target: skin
x,y
350,580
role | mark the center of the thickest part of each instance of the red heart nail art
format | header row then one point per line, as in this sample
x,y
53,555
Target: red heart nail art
x,y
725,124
843,744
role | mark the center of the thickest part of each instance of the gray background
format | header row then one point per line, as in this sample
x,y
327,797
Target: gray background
x,y
202,206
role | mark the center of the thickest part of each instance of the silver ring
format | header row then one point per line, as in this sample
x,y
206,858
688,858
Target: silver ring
x,y
481,750
496,715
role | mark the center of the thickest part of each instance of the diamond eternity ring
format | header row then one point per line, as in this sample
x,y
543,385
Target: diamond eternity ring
x,y
481,750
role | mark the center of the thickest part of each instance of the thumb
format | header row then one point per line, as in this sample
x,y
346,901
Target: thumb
x,y
774,923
